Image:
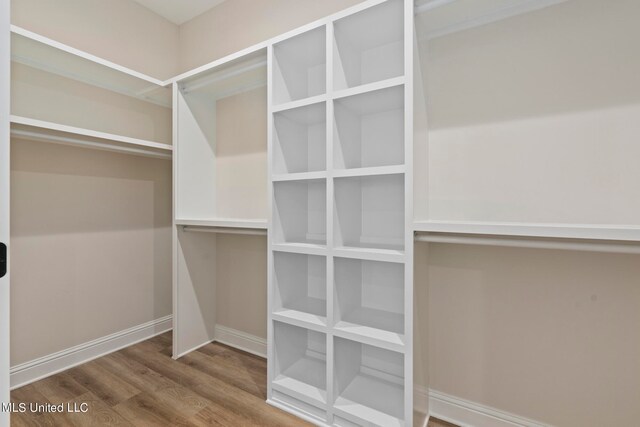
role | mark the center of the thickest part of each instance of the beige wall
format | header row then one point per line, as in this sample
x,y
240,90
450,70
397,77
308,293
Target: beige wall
x,y
549,335
91,245
237,24
44,96
121,31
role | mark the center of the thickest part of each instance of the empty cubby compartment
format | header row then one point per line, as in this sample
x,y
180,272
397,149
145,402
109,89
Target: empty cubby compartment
x,y
369,46
299,67
369,129
369,212
299,143
368,383
299,212
369,293
300,362
300,283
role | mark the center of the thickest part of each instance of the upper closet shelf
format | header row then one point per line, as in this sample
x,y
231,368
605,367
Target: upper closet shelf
x,y
40,52
557,231
258,224
39,130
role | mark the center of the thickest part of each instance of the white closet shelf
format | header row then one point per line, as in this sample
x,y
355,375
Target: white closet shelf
x,y
301,390
40,52
379,391
301,319
370,254
370,336
39,130
299,176
369,87
260,224
372,171
299,103
561,231
300,248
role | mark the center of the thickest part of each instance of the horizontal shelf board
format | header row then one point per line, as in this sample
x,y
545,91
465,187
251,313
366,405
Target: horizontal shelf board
x,y
369,87
300,248
300,318
388,255
260,224
40,52
372,171
379,393
299,103
372,336
563,231
299,390
40,130
300,176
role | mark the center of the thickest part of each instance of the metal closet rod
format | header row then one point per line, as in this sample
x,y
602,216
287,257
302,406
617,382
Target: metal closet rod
x,y
534,243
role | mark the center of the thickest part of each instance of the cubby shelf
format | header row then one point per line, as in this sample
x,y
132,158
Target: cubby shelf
x,y
368,384
40,52
299,67
338,225
301,363
39,130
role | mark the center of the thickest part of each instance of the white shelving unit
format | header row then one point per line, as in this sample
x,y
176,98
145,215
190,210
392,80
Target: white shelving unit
x,y
340,234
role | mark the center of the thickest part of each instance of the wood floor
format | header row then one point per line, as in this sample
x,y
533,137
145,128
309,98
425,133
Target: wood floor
x,y
142,386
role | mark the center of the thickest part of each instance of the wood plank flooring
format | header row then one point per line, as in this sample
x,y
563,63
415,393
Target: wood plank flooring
x,y
142,386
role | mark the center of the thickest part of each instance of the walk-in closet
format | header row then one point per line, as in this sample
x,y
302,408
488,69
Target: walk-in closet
x,y
337,213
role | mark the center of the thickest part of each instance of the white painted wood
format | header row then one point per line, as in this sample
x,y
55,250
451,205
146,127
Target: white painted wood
x,y
339,231
258,224
39,130
224,230
299,67
51,364
565,231
5,172
40,52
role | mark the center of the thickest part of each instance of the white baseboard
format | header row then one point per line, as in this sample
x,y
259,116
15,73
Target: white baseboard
x,y
51,364
241,340
468,414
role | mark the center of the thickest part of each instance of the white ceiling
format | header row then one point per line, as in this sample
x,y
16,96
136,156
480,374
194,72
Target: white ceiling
x,y
179,11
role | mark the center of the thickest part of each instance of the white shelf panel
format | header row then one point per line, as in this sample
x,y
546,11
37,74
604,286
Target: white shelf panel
x,y
300,176
387,255
39,130
300,390
374,171
260,224
299,103
369,87
300,248
560,231
370,336
301,319
40,52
